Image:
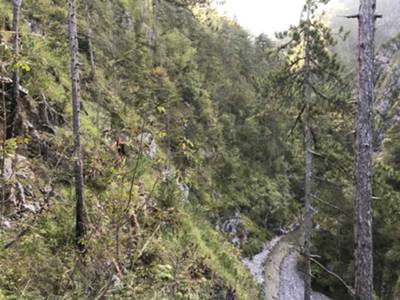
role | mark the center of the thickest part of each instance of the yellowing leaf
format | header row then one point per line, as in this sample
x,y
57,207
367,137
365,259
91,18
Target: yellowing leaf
x,y
161,109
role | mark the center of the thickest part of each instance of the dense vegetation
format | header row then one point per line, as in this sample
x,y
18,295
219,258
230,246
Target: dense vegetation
x,y
189,125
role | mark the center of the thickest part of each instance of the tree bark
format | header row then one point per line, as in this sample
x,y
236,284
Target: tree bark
x,y
308,141
13,102
3,149
80,210
363,161
89,33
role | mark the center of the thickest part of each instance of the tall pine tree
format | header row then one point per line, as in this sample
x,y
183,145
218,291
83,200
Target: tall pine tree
x,y
310,75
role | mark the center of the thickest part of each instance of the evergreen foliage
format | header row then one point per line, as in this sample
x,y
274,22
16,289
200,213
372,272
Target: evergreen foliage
x,y
188,122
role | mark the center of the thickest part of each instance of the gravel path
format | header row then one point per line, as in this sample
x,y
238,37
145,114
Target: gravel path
x,y
256,264
291,283
276,268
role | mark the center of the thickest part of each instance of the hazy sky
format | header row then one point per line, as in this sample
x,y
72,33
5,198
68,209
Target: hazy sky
x,y
267,16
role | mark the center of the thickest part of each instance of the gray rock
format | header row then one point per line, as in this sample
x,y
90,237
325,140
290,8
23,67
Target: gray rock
x,y
8,171
185,190
149,143
6,224
236,230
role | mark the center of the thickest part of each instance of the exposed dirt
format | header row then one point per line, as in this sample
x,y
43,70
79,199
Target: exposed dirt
x,y
256,264
276,268
291,283
273,264
282,279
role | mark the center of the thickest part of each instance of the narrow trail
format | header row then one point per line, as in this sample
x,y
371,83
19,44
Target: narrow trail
x,y
291,282
276,268
273,264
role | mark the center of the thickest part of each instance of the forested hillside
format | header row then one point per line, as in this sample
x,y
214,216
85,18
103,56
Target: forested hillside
x,y
192,145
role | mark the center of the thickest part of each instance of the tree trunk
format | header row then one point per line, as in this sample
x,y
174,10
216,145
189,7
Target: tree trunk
x,y
308,142
13,102
308,195
89,33
363,161
80,210
3,149
92,60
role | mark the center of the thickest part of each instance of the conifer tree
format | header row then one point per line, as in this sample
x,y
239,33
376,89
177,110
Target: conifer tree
x,y
310,67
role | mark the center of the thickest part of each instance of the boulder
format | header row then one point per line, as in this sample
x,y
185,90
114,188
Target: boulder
x,y
149,144
236,231
185,190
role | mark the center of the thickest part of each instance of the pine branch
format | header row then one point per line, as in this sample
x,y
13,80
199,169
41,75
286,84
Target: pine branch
x,y
352,16
319,93
297,120
357,16
331,205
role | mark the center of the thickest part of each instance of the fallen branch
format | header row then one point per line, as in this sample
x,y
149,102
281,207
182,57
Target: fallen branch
x,y
148,242
16,239
350,290
334,183
317,154
50,108
43,209
104,289
30,226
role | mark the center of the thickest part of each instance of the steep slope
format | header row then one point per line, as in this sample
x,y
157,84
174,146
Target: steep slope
x,y
177,141
188,163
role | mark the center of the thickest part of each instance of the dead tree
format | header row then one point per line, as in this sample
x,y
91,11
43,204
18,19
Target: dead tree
x,y
13,101
308,144
80,209
363,161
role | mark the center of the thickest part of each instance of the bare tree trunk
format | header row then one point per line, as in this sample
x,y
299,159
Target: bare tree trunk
x,y
308,196
363,161
13,102
80,210
3,149
89,33
158,51
308,141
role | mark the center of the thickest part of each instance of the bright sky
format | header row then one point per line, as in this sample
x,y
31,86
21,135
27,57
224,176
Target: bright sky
x,y
267,16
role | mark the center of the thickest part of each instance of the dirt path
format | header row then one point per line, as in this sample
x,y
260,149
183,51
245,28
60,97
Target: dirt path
x,y
282,279
273,263
291,283
276,268
256,263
